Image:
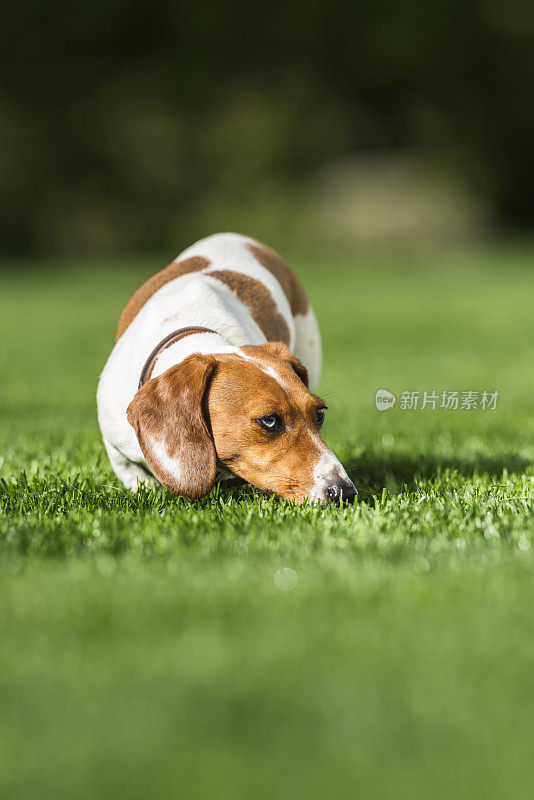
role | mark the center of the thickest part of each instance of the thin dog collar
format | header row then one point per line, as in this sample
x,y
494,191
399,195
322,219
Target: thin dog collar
x,y
173,337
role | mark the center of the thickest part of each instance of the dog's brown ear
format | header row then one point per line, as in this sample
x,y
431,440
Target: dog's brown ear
x,y
168,417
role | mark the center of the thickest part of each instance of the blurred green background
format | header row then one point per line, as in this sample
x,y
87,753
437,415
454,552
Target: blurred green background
x,y
127,126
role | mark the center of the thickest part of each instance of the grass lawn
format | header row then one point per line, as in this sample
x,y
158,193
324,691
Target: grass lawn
x,y
146,647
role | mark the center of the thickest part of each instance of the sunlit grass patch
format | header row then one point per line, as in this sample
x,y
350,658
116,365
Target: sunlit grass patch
x,y
147,646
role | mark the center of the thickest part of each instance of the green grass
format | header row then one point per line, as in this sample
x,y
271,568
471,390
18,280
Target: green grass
x,y
145,649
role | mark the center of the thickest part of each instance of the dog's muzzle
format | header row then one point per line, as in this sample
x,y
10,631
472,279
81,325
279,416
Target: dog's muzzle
x,y
332,484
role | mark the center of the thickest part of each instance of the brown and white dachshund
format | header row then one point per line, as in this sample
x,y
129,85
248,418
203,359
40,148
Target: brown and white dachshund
x,y
211,376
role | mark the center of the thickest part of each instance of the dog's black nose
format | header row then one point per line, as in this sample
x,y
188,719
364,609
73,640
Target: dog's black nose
x,y
338,491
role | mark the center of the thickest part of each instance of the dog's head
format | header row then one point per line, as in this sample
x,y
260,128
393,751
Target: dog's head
x,y
250,412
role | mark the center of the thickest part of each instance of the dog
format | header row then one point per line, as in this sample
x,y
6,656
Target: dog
x,y
211,376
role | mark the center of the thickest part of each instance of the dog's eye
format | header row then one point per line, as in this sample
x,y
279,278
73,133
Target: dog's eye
x,y
271,422
319,419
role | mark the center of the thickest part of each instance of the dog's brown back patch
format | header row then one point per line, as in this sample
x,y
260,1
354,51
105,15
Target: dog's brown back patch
x,y
149,287
259,301
283,273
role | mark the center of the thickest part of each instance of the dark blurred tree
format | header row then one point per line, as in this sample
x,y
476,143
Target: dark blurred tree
x,y
121,120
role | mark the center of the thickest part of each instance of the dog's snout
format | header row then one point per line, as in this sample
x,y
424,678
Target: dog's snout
x,y
341,491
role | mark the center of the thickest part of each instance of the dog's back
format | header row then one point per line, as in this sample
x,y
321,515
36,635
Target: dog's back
x,y
258,277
